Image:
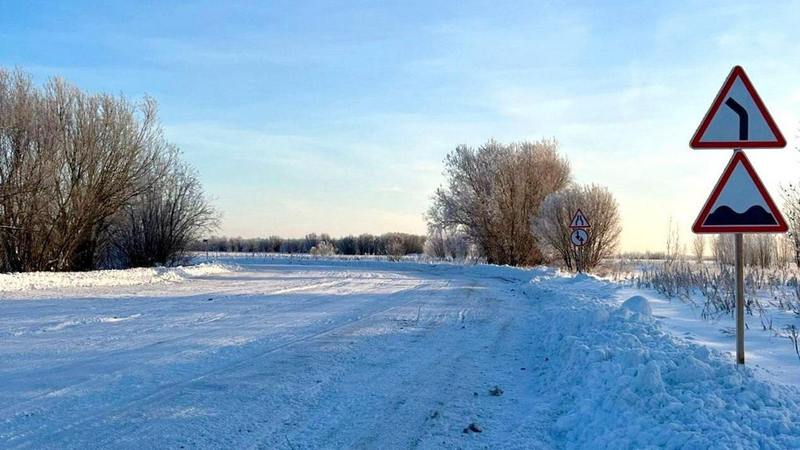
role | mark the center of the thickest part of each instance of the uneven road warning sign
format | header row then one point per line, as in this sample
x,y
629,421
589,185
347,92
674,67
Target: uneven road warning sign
x,y
579,220
739,203
737,118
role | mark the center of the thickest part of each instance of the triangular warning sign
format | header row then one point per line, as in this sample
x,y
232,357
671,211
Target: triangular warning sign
x,y
579,220
739,203
737,118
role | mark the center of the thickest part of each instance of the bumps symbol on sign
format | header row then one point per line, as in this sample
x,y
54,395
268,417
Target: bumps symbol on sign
x,y
755,215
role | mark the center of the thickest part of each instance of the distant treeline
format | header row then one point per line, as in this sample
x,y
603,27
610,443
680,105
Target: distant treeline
x,y
365,244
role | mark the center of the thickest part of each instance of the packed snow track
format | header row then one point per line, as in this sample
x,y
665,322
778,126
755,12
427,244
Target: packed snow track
x,y
367,354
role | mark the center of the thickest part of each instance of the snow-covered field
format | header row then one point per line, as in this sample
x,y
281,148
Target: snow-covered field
x,y
270,353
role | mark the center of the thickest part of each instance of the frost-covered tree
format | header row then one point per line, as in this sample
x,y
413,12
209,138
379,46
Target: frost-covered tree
x,y
551,226
323,248
447,244
491,192
791,209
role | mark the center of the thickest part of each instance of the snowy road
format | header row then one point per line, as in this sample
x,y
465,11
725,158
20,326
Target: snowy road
x,y
320,354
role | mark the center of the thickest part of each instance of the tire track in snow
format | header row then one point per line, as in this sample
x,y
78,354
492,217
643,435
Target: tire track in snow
x,y
83,363
167,389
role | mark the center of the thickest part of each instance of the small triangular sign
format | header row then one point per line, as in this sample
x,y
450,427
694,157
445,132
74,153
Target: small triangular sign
x,y
737,118
739,203
579,220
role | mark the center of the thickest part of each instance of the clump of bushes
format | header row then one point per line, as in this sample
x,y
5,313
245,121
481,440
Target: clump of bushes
x,y
89,181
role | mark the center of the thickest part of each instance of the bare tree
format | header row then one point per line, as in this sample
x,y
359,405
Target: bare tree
x,y
491,192
760,250
157,227
723,249
699,248
447,244
784,251
69,163
791,209
674,250
395,248
552,225
323,248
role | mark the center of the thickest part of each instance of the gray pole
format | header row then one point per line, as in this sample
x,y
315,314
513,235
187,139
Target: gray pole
x,y
739,293
739,299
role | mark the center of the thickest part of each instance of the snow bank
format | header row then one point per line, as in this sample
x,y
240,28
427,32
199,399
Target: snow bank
x,y
623,382
638,305
49,280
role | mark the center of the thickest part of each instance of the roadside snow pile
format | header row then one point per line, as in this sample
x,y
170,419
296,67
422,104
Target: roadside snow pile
x,y
621,381
50,280
639,305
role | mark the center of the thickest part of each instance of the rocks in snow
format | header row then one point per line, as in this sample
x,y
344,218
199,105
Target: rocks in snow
x,y
496,391
473,428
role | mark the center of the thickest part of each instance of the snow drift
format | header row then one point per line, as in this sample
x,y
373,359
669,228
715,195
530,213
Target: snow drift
x,y
623,382
13,282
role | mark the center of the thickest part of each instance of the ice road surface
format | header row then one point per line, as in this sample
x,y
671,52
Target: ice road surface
x,y
332,354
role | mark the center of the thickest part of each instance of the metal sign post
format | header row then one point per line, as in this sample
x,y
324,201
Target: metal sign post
x,y
739,298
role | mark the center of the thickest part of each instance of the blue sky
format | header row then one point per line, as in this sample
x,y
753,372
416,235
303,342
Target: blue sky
x,y
335,116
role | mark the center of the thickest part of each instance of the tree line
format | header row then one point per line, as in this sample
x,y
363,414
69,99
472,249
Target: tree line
x,y
393,244
514,202
89,181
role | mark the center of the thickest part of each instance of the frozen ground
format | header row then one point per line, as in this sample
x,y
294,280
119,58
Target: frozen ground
x,y
368,354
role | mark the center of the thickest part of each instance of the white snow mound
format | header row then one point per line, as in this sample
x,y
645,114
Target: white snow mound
x,y
639,305
627,383
11,282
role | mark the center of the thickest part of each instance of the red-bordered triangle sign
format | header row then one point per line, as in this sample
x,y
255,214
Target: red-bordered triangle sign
x,y
579,220
737,118
739,203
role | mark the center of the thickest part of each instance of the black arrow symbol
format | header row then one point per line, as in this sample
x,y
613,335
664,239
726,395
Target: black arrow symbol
x,y
742,113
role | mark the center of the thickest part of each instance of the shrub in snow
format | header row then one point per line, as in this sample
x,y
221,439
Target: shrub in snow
x,y
89,181
324,248
551,226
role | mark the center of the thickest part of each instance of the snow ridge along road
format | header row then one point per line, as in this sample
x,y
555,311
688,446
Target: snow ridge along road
x,y
333,354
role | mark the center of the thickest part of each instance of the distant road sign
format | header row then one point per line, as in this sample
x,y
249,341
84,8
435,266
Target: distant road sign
x,y
579,220
737,118
739,203
579,237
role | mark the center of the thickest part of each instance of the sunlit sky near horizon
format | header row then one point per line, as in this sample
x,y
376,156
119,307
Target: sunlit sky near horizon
x,y
335,116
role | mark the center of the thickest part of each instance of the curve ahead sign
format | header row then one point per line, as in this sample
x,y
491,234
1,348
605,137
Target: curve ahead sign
x,y
737,118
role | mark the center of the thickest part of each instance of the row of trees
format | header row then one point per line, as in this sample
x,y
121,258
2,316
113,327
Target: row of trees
x,y
89,181
514,202
365,244
760,250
